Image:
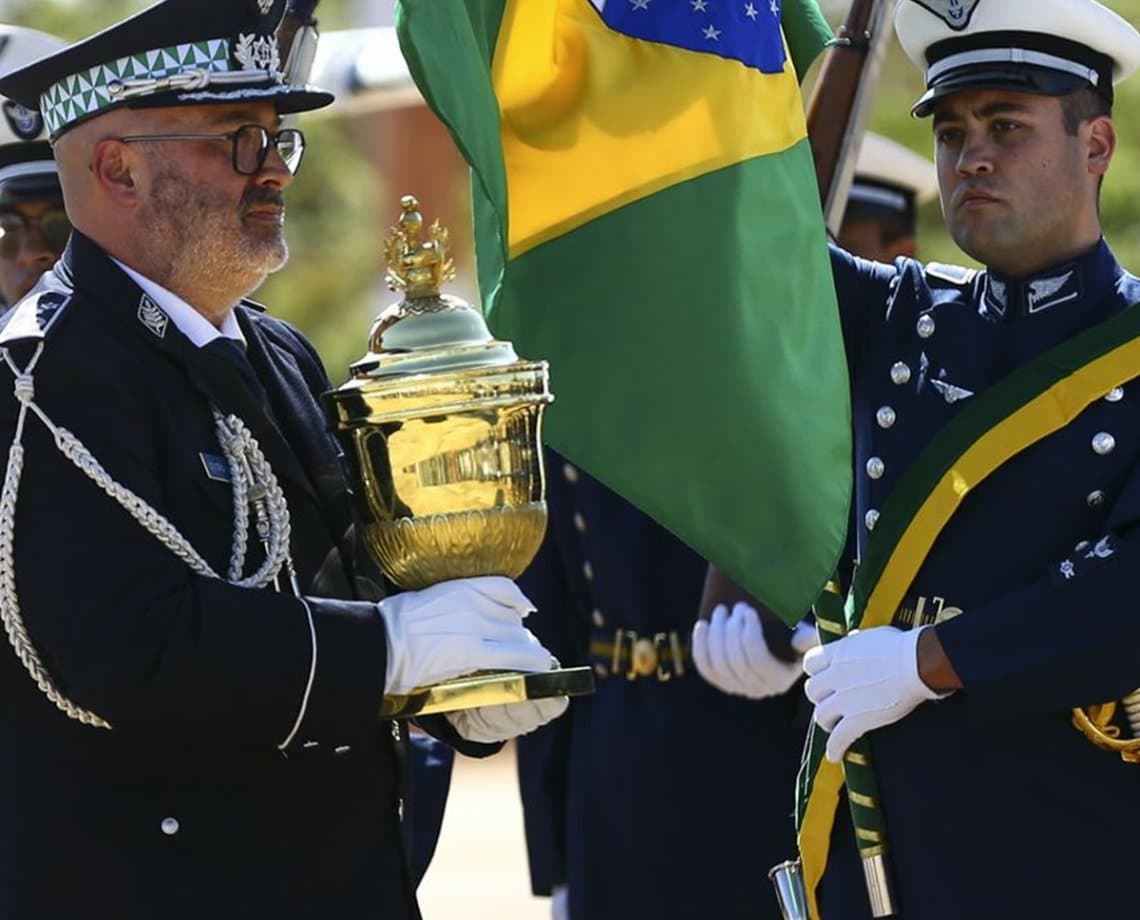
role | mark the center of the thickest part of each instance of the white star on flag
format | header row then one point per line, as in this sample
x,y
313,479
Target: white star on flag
x,y
750,12
639,4
699,6
712,34
775,7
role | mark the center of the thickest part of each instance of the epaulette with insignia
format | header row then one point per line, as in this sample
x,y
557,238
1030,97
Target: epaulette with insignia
x,y
33,317
954,274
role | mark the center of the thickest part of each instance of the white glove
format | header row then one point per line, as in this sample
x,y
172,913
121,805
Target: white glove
x,y
456,627
489,724
731,653
864,681
560,903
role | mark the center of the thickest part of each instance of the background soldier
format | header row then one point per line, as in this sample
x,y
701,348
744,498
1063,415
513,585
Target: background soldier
x,y
245,772
33,223
890,182
609,832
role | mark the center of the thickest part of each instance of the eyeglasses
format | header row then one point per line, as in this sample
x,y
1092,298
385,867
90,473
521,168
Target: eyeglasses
x,y
16,227
251,145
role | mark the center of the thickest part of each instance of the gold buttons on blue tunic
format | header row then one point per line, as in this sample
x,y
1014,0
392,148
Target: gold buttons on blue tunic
x,y
871,519
900,373
570,472
876,468
588,570
1095,499
1103,443
885,417
170,826
925,326
579,522
597,618
1115,394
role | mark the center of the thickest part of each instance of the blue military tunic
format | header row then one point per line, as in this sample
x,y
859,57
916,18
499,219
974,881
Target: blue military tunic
x,y
995,805
659,796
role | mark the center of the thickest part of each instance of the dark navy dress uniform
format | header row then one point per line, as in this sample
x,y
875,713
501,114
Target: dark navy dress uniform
x,y
658,796
996,806
186,808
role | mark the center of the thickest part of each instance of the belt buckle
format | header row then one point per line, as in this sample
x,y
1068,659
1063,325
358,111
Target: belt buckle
x,y
642,656
660,657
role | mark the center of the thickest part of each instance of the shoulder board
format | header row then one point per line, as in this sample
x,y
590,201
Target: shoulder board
x,y
32,318
1129,287
954,274
253,305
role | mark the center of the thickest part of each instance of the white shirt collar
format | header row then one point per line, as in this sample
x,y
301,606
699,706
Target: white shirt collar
x,y
188,321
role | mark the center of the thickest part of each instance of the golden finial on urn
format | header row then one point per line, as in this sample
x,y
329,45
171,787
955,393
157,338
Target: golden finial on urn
x,y
441,426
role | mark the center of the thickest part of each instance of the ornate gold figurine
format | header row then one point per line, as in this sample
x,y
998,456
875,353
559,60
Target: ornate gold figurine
x,y
441,425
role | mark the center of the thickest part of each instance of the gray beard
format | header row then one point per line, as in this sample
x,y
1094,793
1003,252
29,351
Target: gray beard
x,y
196,241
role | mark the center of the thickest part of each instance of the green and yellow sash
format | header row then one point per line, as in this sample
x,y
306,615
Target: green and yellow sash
x,y
1023,408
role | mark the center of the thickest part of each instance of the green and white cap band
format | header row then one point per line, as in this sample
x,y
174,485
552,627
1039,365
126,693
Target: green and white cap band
x,y
248,60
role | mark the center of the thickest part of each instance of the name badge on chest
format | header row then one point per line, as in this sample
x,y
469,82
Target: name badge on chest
x,y
217,468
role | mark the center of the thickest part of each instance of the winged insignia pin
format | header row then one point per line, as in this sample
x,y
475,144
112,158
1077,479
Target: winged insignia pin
x,y
951,393
1040,292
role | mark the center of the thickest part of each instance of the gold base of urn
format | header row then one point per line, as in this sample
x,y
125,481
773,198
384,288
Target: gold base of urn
x,y
492,688
440,424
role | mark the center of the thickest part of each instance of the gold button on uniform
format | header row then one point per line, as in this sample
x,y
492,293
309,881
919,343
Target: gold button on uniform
x,y
570,472
579,522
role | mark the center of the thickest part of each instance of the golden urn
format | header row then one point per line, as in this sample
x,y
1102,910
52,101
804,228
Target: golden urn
x,y
441,425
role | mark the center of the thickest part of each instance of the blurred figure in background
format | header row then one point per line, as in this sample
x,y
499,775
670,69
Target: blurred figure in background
x,y
33,223
890,182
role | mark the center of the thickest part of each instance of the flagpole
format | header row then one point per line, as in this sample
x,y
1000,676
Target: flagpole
x,y
837,118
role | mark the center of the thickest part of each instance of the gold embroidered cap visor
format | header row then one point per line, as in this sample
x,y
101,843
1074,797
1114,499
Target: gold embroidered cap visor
x,y
176,52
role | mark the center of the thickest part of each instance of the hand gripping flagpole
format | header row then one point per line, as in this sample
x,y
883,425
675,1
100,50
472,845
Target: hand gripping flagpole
x,y
837,117
859,778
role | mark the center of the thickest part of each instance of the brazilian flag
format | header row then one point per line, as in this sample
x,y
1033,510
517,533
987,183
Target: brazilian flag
x,y
647,220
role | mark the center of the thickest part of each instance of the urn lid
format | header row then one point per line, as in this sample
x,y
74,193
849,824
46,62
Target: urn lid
x,y
427,332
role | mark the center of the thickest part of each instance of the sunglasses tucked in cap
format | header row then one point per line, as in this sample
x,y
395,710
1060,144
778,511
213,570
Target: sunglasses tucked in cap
x,y
1043,47
177,52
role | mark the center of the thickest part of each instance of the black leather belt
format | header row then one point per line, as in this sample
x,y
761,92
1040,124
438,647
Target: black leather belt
x,y
624,652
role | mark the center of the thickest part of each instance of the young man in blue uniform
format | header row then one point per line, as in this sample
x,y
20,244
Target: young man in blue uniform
x,y
192,694
998,494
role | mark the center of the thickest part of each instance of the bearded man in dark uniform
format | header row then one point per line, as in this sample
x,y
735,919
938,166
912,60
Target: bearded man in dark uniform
x,y
191,720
